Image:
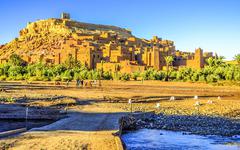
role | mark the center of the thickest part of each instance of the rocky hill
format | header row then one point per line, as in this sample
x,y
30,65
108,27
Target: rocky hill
x,y
45,35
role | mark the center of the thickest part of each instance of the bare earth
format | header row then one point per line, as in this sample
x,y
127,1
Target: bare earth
x,y
94,112
82,129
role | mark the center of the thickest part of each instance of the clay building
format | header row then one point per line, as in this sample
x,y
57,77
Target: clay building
x,y
53,41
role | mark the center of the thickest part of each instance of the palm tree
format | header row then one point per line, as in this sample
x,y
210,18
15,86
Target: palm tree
x,y
210,61
237,58
169,60
217,61
220,61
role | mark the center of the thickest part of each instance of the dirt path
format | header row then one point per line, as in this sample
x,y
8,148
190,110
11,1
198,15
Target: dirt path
x,y
85,121
83,129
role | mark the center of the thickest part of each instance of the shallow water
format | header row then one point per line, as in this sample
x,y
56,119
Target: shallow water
x,y
152,139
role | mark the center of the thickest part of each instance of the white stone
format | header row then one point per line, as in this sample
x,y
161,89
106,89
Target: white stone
x,y
197,103
130,101
158,105
172,98
195,97
210,102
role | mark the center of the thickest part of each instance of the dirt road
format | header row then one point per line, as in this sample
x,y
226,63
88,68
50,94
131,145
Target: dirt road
x,y
82,129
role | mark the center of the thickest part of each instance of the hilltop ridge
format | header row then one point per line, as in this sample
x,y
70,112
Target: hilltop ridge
x,y
43,34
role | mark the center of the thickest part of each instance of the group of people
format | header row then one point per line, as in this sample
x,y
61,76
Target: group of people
x,y
81,83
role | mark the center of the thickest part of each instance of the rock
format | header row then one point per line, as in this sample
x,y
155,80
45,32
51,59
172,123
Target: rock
x,y
202,125
128,123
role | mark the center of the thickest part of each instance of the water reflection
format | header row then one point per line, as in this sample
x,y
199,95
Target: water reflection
x,y
152,139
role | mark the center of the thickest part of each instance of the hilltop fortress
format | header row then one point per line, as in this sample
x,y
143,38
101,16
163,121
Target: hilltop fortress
x,y
110,48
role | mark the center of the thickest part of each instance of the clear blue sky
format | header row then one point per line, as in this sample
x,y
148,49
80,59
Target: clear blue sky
x,y
213,25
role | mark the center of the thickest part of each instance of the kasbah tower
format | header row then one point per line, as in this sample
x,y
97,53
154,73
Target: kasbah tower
x,y
55,40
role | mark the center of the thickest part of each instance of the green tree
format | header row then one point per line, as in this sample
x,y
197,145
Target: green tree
x,y
169,60
219,61
237,58
210,61
71,62
16,60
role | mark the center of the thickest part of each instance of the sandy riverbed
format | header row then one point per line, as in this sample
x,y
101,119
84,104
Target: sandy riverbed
x,y
112,97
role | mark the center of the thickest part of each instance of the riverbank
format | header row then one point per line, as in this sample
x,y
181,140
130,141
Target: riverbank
x,y
159,131
202,125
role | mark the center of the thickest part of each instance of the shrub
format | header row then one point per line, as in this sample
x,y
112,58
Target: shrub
x,y
195,77
125,77
3,77
57,78
67,75
135,75
211,78
19,77
237,76
173,75
76,76
84,74
8,100
107,76
202,78
34,78
96,75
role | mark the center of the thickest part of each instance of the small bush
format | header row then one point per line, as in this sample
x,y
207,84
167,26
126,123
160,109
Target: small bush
x,y
125,77
57,78
8,100
2,78
211,78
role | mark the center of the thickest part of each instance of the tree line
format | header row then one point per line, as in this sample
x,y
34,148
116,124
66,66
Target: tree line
x,y
216,70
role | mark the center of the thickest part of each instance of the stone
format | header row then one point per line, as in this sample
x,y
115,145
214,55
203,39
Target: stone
x,y
209,101
128,123
195,97
172,98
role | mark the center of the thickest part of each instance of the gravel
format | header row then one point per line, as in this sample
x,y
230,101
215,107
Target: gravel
x,y
203,125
